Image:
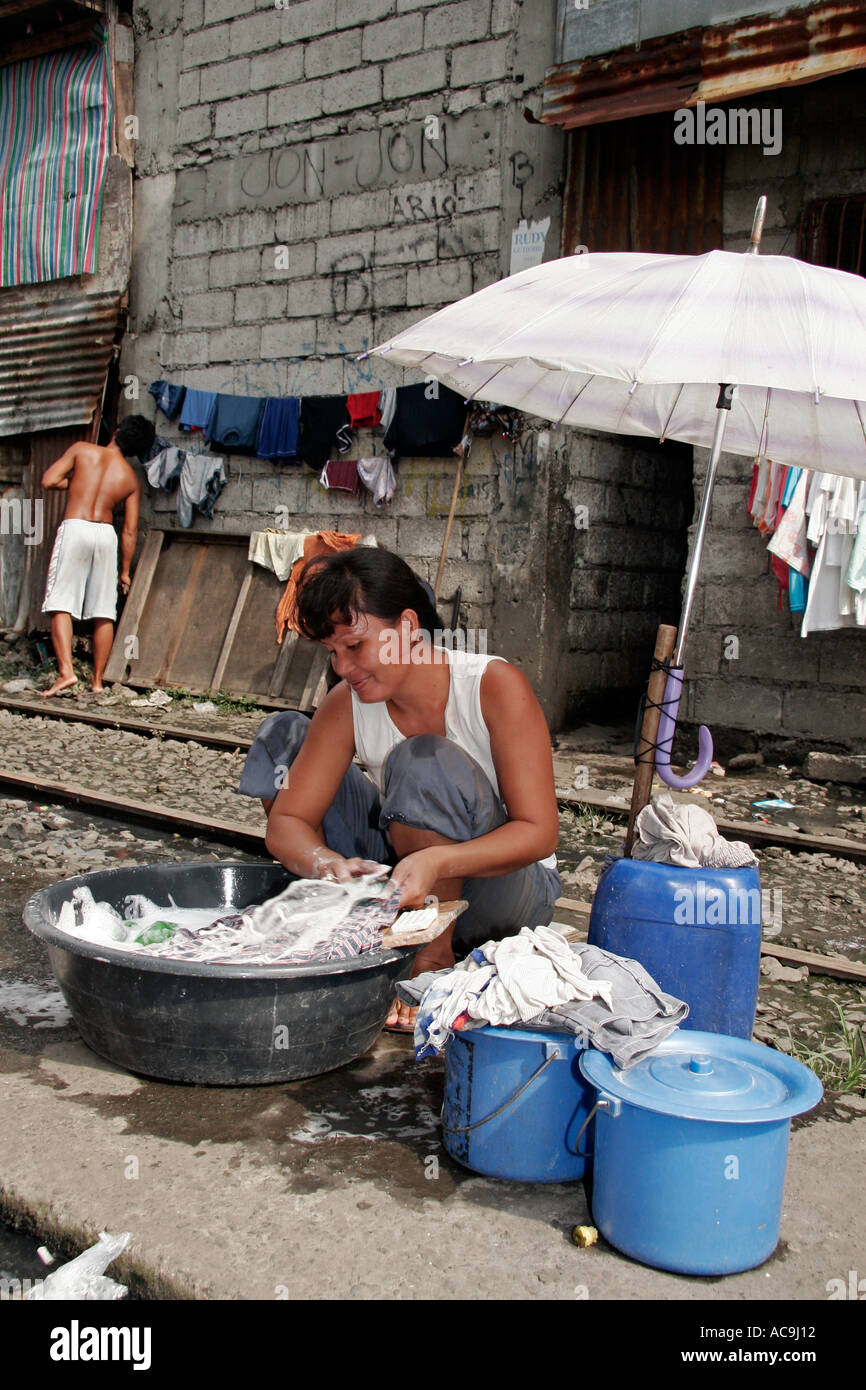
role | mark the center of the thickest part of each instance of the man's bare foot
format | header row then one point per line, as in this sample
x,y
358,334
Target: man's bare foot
x,y
401,1019
62,683
97,689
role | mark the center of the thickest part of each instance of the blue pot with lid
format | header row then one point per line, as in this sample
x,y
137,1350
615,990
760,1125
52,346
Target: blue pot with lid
x,y
690,1150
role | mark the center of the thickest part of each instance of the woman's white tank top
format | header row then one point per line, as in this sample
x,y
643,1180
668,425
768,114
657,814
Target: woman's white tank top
x,y
376,733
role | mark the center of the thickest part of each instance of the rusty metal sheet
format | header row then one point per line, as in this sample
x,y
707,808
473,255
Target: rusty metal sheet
x,y
781,50
630,188
659,76
711,64
44,449
54,355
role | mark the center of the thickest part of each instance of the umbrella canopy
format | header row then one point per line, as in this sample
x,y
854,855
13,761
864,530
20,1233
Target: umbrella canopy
x,y
638,344
762,353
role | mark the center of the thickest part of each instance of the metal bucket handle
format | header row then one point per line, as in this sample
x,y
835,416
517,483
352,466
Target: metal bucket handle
x,y
611,1103
554,1055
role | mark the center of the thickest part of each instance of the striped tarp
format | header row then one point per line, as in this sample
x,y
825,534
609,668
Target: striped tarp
x,y
55,140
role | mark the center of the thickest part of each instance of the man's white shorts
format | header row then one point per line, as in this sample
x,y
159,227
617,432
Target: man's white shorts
x,y
82,574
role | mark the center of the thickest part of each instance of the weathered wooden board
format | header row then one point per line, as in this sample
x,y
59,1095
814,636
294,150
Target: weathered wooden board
x,y
202,617
448,913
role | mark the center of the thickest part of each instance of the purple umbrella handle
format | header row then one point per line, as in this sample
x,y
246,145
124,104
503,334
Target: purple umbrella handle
x,y
665,738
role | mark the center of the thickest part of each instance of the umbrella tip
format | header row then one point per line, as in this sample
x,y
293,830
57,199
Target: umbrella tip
x,y
758,225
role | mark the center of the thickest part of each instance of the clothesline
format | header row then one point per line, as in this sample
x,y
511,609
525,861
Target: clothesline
x,y
425,420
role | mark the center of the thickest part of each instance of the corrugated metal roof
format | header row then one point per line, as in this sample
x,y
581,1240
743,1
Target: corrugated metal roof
x,y
54,354
710,64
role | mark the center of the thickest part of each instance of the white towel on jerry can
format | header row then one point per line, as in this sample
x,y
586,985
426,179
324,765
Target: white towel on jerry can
x,y
672,832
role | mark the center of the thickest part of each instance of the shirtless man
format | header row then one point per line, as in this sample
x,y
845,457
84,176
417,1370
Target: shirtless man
x,y
82,575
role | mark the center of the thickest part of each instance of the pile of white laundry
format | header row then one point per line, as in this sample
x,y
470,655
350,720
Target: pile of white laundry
x,y
536,977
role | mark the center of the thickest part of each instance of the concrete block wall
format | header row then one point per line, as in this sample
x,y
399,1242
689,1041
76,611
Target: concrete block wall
x,y
630,504
310,180
778,686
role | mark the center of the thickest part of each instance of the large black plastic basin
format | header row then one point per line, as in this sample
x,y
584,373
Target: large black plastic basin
x,y
220,1025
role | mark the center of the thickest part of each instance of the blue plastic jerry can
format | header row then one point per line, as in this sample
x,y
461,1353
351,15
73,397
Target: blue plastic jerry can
x,y
697,932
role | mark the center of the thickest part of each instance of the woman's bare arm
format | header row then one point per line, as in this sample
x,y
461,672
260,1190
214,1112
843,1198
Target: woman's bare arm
x,y
520,746
294,835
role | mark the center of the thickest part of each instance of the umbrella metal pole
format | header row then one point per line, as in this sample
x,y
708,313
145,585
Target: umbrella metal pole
x,y
700,532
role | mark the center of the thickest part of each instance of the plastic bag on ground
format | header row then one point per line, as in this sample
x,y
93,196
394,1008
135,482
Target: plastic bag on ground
x,y
85,1277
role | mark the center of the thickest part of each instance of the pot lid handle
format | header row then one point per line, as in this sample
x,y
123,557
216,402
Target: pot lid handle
x,y
701,1064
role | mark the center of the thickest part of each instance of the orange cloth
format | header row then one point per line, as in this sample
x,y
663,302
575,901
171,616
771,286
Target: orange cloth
x,y
321,543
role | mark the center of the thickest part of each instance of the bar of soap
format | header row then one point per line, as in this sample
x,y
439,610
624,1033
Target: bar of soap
x,y
419,920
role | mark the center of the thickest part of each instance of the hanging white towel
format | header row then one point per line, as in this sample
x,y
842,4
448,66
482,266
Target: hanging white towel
x,y
277,550
377,474
387,405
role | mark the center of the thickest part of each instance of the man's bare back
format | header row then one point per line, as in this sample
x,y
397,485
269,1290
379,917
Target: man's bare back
x,y
97,480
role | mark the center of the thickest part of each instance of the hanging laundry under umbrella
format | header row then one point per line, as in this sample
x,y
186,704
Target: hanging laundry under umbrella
x,y
761,354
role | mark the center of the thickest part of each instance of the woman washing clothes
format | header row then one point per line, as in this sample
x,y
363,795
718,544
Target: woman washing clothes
x,y
462,800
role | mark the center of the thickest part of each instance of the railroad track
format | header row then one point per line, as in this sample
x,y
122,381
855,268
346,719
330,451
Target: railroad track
x,y
236,835
613,804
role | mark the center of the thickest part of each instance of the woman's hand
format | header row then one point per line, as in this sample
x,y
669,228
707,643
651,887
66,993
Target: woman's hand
x,y
415,876
328,864
354,868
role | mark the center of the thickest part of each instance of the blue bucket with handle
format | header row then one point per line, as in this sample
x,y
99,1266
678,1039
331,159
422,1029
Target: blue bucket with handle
x,y
516,1103
690,1148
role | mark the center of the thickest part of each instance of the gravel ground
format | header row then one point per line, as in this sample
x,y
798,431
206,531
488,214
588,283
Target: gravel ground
x,y
185,776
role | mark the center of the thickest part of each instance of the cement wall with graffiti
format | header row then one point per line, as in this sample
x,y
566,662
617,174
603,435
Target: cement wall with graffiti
x,y
311,178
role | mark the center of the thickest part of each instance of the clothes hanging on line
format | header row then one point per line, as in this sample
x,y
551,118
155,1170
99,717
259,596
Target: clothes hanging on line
x,y
789,542
816,523
377,474
341,475
202,479
163,470
325,428
363,408
277,550
197,409
168,398
280,429
832,603
156,448
235,422
428,422
387,405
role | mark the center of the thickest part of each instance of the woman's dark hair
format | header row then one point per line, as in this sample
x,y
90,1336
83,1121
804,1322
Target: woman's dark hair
x,y
335,588
134,436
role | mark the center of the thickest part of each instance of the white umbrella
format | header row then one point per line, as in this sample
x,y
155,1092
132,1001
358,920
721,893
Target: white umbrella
x,y
765,353
638,344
